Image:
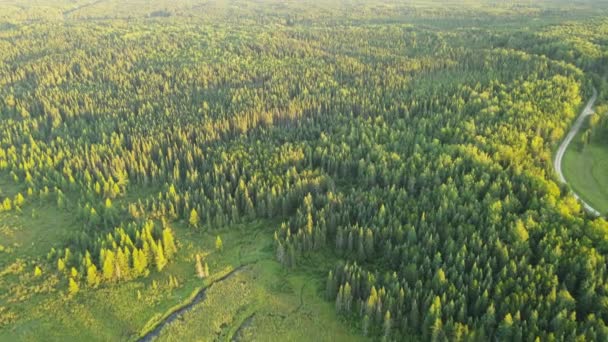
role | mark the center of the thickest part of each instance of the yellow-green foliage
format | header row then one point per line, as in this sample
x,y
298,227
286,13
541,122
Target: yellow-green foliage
x,y
73,287
219,245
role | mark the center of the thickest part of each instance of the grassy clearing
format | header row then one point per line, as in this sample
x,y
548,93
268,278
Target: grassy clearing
x,y
585,169
33,232
276,304
261,302
122,310
26,236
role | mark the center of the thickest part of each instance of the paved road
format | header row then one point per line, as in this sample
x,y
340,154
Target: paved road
x,y
557,163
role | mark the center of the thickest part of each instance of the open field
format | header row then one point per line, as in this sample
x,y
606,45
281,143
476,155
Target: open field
x,y
586,170
262,302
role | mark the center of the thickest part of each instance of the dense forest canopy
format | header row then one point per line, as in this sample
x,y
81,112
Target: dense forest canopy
x,y
408,142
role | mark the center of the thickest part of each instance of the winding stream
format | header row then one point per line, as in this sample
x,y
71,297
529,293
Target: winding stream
x,y
200,297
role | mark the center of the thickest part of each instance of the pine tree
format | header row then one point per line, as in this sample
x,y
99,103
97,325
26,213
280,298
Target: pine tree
x,y
433,314
505,329
169,243
387,325
74,272
372,300
60,265
219,245
365,325
439,280
369,243
144,261
330,289
281,254
194,218
140,262
160,259
122,264
92,276
73,287
414,316
37,271
87,259
19,200
147,252
108,265
347,298
360,250
67,255
437,332
173,283
291,256
309,224
200,271
339,299
6,204
340,239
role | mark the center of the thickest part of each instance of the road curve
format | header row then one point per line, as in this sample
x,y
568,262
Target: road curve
x,y
557,163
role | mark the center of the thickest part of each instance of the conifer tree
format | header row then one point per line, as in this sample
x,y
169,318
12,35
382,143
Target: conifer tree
x,y
340,299
140,262
387,325
6,204
159,258
200,271
206,269
505,329
365,325
219,245
92,276
437,331
73,287
122,264
414,316
108,265
169,243
194,218
330,289
281,253
19,200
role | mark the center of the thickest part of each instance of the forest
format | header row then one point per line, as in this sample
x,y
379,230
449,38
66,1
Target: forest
x,y
301,170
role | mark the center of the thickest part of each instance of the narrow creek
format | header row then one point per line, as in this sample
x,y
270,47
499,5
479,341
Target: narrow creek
x,y
200,297
237,334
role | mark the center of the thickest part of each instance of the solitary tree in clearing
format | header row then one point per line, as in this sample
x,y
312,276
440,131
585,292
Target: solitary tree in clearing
x,y
219,246
200,270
